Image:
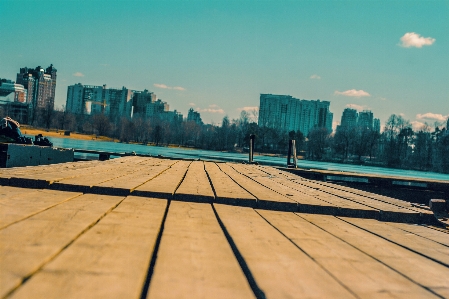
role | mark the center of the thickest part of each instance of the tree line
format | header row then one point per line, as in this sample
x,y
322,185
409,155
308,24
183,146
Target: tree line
x,y
398,146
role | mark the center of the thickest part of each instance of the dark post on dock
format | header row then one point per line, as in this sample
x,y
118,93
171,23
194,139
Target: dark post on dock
x,y
292,152
252,137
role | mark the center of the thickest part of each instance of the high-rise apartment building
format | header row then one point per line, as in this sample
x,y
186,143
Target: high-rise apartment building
x,y
291,114
195,116
12,101
365,119
40,85
349,118
117,103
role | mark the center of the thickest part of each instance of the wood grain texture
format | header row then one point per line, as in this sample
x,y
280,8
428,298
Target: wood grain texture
x,y
359,272
414,242
24,203
111,260
280,269
266,198
28,245
194,258
196,186
165,184
227,191
415,267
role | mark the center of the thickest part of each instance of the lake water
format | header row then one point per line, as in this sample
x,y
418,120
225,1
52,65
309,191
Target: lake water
x,y
174,152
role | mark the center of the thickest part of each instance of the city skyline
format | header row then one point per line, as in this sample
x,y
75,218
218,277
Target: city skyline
x,y
218,57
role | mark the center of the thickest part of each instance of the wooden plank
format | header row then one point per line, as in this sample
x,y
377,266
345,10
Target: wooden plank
x,y
362,274
266,198
389,206
111,260
311,201
165,184
124,185
226,190
196,186
42,177
27,202
194,258
332,187
415,267
101,174
279,268
13,192
423,231
28,245
413,242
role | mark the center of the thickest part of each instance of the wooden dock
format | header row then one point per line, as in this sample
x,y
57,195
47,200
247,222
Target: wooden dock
x,y
140,227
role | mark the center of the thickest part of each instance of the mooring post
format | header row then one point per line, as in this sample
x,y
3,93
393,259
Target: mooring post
x,y
289,154
295,160
251,147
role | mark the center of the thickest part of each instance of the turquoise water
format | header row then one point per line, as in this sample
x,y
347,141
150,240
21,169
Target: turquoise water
x,y
235,157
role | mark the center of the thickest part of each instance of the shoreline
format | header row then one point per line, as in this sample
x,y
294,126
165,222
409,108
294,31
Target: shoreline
x,y
26,130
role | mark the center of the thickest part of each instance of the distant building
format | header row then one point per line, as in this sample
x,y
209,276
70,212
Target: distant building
x,y
141,100
290,114
12,101
365,119
349,118
117,103
40,85
376,125
194,116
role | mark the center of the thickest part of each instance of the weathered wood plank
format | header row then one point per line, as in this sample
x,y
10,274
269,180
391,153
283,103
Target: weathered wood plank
x,y
347,190
111,260
196,186
279,268
101,174
42,177
226,190
414,242
310,201
362,274
391,207
423,231
23,203
194,258
165,184
124,185
28,245
266,198
415,267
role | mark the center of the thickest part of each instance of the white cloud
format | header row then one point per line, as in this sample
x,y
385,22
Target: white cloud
x,y
78,74
412,39
417,125
356,107
353,93
315,77
163,86
192,104
432,116
211,109
248,108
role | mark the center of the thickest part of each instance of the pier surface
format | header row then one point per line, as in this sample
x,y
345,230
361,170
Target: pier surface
x,y
140,227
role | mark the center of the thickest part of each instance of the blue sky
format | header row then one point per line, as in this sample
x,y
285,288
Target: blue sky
x,y
218,56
